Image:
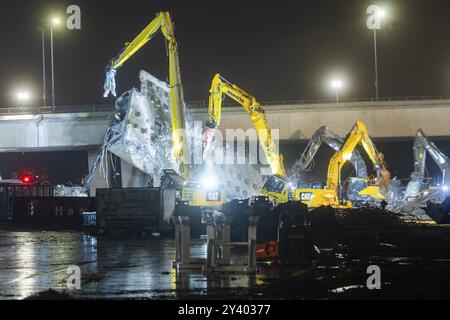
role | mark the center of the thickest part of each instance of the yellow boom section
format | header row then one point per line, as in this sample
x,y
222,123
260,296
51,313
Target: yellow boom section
x,y
163,22
219,87
359,134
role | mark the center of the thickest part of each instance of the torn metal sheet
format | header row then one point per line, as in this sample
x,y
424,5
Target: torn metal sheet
x,y
145,135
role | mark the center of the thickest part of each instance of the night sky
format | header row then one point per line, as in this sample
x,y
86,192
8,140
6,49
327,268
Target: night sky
x,y
277,50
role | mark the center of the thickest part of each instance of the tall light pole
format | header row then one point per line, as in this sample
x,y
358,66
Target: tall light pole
x,y
44,80
337,86
54,23
375,22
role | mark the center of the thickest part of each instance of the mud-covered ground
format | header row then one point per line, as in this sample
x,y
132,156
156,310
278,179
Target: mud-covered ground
x,y
414,262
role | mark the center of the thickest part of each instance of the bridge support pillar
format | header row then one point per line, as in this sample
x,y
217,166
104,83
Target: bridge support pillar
x,y
132,177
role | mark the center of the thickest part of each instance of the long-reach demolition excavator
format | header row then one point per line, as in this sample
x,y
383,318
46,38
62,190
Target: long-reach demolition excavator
x,y
196,196
221,87
163,23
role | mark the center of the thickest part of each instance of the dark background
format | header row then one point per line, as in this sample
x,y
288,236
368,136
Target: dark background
x,y
277,50
65,167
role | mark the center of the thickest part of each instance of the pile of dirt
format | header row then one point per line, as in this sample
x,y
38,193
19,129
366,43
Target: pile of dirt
x,y
369,217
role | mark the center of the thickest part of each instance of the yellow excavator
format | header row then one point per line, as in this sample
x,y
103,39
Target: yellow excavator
x,y
192,193
332,195
277,188
220,87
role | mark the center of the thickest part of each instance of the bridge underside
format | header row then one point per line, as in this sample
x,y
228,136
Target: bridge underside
x,y
389,120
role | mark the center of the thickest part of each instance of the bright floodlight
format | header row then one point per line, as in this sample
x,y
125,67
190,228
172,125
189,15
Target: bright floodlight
x,y
337,84
381,13
56,21
209,181
23,96
445,188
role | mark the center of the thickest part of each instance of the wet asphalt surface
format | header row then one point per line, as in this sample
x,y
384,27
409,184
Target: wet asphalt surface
x,y
414,261
127,268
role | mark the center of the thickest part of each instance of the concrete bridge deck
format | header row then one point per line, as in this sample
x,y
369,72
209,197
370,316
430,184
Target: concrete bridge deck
x,y
384,119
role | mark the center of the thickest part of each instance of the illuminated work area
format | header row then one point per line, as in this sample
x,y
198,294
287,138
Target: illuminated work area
x,y
304,155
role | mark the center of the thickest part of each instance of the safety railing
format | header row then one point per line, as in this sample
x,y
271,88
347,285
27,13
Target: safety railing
x,y
57,109
204,104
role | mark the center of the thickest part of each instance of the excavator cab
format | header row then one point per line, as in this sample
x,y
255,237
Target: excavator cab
x,y
276,189
363,190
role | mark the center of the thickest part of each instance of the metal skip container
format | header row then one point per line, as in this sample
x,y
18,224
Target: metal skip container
x,y
135,210
51,212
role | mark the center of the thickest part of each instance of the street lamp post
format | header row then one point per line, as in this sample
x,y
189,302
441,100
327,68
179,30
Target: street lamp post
x,y
53,68
377,89
55,22
374,22
44,84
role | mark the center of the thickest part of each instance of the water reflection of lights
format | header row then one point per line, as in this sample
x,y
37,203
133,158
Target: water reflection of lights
x,y
25,264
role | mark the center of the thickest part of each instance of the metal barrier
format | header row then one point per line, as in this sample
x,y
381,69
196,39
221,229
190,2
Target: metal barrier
x,y
204,104
58,109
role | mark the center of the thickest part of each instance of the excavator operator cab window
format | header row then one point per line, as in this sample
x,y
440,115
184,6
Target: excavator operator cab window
x,y
275,184
355,186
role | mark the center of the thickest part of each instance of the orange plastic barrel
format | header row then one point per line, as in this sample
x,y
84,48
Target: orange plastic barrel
x,y
267,251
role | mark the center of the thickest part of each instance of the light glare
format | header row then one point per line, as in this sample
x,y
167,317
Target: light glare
x,y
382,13
23,96
209,181
56,21
336,84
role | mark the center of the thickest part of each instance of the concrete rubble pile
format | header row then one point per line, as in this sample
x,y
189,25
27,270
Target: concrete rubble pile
x,y
75,192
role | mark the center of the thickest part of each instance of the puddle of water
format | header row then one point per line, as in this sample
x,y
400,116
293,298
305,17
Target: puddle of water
x,y
33,262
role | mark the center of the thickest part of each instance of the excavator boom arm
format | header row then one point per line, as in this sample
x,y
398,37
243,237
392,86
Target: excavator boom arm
x,y
161,22
164,23
221,87
359,134
335,142
422,144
